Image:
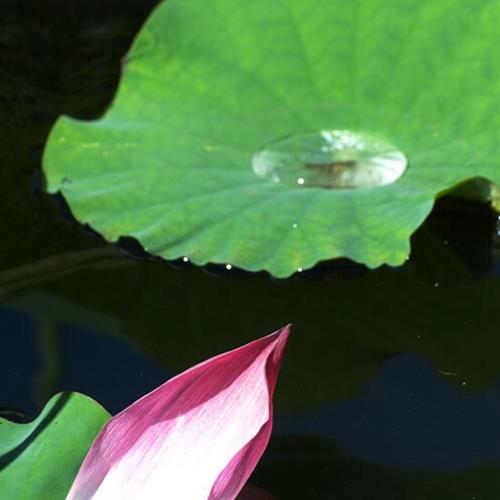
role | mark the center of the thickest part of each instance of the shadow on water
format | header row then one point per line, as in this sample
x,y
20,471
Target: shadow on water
x,y
311,467
55,58
367,347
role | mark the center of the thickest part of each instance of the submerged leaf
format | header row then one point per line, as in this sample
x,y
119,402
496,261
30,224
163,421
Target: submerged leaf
x,y
196,437
39,460
273,135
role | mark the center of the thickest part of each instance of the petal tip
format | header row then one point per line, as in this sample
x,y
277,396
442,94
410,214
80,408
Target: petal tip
x,y
283,333
280,339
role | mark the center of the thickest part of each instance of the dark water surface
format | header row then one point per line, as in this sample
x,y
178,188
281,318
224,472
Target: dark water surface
x,y
390,387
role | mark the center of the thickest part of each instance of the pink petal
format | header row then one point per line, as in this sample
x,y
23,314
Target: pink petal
x,y
196,437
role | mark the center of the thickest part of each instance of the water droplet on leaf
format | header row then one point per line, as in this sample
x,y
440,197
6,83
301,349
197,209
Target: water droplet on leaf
x,y
334,159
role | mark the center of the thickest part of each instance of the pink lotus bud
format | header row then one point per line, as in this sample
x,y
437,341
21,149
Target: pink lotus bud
x,y
197,437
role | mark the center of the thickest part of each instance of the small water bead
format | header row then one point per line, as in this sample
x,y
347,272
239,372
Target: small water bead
x,y
333,159
229,267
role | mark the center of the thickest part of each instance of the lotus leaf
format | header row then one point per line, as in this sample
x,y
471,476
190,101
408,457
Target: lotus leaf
x,y
43,456
206,86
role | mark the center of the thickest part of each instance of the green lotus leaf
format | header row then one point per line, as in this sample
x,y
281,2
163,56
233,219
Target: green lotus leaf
x,y
206,87
40,459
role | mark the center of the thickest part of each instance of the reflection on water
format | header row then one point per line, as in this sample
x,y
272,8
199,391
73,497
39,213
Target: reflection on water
x,y
406,431
58,346
409,417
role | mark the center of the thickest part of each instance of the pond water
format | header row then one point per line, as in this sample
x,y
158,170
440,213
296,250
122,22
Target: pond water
x,y
390,387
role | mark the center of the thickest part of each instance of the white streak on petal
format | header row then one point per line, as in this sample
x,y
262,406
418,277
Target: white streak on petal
x,y
200,444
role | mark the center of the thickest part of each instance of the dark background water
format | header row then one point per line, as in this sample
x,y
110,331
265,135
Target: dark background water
x,y
390,387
